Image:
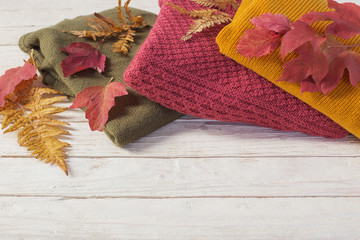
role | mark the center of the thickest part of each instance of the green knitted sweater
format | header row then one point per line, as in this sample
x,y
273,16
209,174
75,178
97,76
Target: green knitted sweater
x,y
134,116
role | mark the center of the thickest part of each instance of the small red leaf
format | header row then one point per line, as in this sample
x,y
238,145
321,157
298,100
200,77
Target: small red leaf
x,y
98,101
299,34
333,78
340,58
14,77
347,24
313,17
346,19
82,56
346,60
308,85
258,42
306,65
274,22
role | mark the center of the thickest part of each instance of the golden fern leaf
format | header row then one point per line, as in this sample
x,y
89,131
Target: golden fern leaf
x,y
221,4
128,11
123,45
200,24
134,21
202,13
38,132
193,13
106,23
178,8
120,15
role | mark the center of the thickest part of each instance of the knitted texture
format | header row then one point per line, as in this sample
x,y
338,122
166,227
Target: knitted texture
x,y
134,116
341,105
193,78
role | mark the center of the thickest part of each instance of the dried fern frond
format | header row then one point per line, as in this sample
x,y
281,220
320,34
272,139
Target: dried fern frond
x,y
127,10
206,17
200,24
105,27
27,110
193,13
221,4
178,8
123,45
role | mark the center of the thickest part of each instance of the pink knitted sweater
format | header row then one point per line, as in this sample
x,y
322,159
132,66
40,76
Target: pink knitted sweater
x,y
193,78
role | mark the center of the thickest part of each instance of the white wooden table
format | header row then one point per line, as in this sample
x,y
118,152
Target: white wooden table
x,y
193,179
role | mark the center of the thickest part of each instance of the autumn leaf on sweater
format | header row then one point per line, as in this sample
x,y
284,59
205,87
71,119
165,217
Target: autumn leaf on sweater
x,y
339,57
321,68
320,61
14,77
300,34
306,65
206,18
206,22
265,37
82,56
278,23
193,13
346,19
98,101
221,4
258,42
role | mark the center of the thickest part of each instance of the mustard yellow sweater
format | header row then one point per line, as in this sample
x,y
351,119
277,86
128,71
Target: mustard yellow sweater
x,y
342,104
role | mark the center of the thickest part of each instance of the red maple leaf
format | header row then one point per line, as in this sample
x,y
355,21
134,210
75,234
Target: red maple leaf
x,y
14,77
340,58
309,85
300,34
274,22
258,42
98,101
306,65
346,19
334,58
82,56
321,60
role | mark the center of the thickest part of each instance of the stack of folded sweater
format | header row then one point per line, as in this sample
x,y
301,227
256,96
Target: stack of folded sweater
x,y
168,77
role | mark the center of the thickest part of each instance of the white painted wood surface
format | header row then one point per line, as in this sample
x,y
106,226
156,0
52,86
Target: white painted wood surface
x,y
193,179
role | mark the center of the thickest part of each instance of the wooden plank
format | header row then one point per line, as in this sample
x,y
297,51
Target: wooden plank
x,y
62,6
15,5
203,177
179,219
10,57
47,15
196,139
11,35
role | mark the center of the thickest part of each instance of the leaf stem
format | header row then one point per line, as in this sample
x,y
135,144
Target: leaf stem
x,y
354,45
110,81
97,46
